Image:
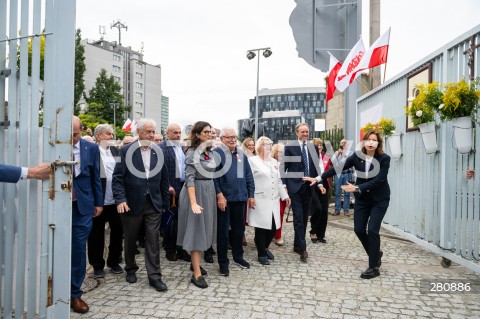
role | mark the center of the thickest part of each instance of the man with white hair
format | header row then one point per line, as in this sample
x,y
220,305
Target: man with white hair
x,y
96,239
140,188
234,188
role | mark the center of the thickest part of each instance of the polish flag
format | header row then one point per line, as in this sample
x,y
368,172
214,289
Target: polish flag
x,y
377,54
133,126
127,126
333,71
348,72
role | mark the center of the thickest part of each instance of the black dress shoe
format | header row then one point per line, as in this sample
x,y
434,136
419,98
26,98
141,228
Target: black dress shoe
x,y
323,241
380,259
208,257
131,278
171,256
158,284
183,255
270,256
304,256
203,271
199,282
313,239
370,273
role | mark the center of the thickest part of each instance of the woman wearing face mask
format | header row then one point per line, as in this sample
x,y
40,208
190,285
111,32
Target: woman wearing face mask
x,y
372,196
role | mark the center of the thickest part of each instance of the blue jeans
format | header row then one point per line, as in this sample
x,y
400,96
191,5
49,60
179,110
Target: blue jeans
x,y
339,181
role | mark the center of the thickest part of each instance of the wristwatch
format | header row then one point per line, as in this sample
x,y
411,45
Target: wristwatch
x,y
357,189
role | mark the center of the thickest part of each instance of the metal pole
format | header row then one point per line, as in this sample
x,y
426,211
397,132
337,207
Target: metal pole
x,y
114,122
256,99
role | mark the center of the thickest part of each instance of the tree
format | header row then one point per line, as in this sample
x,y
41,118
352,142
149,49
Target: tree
x,y
79,71
79,68
105,92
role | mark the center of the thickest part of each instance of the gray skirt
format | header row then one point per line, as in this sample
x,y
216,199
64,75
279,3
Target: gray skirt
x,y
198,231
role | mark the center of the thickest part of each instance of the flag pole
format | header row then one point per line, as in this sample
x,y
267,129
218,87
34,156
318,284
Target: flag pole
x,y
366,89
384,72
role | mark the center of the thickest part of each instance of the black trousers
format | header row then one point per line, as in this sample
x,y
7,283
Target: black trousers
x,y
263,238
231,218
319,212
96,239
301,207
131,227
369,213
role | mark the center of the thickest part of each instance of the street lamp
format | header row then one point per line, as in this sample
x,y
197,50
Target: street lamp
x,y
250,55
114,106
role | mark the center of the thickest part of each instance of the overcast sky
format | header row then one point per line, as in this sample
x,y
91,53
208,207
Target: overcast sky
x,y
201,45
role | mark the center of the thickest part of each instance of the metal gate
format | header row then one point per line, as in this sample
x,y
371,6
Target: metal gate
x,y
433,203
35,218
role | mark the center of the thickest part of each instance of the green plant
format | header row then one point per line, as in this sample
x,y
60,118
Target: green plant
x,y
459,99
423,106
385,126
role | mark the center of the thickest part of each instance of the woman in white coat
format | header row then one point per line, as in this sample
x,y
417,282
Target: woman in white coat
x,y
265,217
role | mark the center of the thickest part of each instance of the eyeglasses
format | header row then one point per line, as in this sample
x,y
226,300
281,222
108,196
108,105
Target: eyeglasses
x,y
177,132
207,132
229,137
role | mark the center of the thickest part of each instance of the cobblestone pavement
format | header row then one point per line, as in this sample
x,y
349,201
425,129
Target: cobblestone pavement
x,y
328,286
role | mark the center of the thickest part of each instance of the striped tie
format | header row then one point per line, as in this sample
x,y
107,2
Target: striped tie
x,y
305,159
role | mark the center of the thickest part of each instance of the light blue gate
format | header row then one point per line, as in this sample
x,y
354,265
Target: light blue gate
x,y
433,204
35,218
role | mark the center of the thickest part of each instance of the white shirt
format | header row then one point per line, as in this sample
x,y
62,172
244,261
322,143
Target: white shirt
x,y
306,150
24,173
146,158
108,165
180,157
76,157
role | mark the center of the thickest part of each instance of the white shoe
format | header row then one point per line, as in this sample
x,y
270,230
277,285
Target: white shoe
x,y
279,242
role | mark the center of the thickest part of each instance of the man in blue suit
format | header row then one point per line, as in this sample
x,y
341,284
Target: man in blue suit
x,y
140,188
87,202
12,174
299,166
175,162
235,187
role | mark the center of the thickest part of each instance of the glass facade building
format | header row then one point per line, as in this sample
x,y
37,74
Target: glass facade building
x,y
279,110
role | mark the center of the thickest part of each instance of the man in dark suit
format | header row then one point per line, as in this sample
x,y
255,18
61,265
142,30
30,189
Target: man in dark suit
x,y
96,241
140,188
175,162
87,203
298,167
12,174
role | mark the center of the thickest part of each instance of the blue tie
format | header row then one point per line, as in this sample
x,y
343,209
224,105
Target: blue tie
x,y
304,160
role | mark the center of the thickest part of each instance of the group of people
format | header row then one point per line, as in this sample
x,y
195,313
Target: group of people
x,y
213,188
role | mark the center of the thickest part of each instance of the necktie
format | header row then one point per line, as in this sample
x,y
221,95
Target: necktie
x,y
304,159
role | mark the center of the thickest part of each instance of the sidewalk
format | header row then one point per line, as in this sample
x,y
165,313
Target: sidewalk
x,y
328,286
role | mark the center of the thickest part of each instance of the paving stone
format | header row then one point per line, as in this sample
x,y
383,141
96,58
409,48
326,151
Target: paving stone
x,y
327,286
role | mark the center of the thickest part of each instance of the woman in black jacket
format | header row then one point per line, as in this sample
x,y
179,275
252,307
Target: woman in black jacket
x,y
372,196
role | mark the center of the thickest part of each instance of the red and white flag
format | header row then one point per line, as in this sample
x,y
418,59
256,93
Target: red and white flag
x,y
377,54
133,126
348,72
333,71
127,126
